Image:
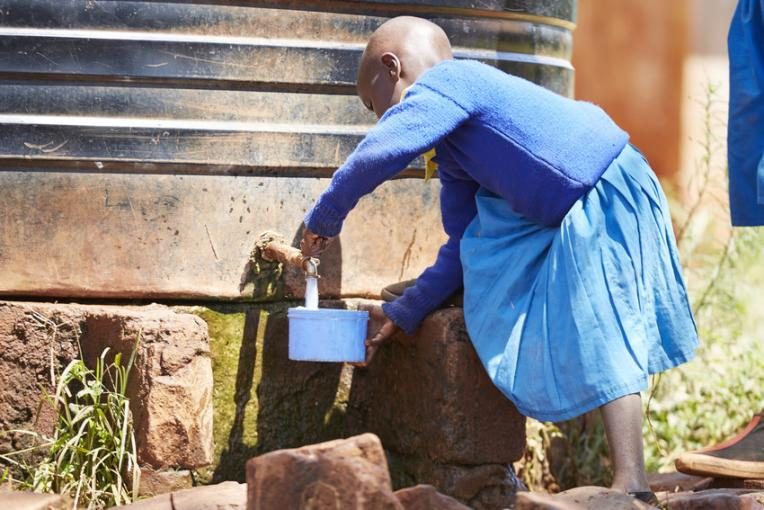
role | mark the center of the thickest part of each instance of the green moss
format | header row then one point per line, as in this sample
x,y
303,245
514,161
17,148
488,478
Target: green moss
x,y
250,427
226,332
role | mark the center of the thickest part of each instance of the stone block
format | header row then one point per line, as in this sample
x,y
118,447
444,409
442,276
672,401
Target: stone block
x,y
426,497
481,487
16,500
162,481
736,483
715,499
541,501
222,496
345,473
170,386
580,498
429,395
677,482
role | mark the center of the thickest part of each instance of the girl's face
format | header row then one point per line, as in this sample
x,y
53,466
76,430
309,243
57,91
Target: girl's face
x,y
380,84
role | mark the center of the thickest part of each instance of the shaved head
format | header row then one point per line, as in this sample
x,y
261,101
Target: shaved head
x,y
397,53
418,43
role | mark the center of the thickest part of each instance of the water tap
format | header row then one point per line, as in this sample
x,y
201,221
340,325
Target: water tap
x,y
310,266
273,248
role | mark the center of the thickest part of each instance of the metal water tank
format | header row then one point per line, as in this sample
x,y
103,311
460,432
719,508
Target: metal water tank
x,y
145,144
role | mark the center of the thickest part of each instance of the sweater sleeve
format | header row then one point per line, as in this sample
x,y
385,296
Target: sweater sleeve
x,y
444,277
405,131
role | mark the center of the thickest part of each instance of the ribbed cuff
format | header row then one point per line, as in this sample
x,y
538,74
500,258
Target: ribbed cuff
x,y
409,310
402,316
324,219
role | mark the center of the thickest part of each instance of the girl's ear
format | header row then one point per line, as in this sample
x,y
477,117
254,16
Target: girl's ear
x,y
393,66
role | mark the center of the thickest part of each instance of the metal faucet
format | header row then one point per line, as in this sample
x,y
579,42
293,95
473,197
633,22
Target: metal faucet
x,y
310,266
273,248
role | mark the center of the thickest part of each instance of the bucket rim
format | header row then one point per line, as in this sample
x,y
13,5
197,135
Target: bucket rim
x,y
326,312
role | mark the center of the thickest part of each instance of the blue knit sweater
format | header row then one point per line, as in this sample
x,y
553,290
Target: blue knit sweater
x,y
536,149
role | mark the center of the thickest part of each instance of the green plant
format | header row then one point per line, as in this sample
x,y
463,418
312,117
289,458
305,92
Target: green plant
x,y
92,455
706,400
560,456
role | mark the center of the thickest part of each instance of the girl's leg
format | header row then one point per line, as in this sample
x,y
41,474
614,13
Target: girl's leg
x,y
623,426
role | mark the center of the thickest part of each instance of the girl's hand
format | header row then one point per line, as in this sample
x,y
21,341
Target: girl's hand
x,y
384,330
312,245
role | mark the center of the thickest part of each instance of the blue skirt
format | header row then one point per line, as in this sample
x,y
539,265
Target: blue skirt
x,y
568,318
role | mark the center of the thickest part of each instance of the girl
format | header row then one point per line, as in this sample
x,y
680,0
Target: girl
x,y
558,231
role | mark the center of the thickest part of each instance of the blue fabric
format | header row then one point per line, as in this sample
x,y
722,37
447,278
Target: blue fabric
x,y
760,173
568,318
745,138
532,147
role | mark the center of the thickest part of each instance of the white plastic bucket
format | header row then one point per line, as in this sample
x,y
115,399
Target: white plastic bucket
x,y
327,334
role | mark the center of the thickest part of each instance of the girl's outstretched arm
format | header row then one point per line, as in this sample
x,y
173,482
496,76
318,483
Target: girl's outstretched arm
x,y
405,131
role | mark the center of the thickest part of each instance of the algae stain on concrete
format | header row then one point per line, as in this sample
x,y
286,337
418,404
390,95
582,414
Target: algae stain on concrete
x,y
262,325
336,413
226,331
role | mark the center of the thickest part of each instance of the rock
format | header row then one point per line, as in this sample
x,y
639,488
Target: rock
x,y
163,481
17,500
716,499
580,498
429,396
539,501
345,473
486,486
601,498
736,483
425,497
173,422
161,502
31,342
170,387
677,482
223,496
756,500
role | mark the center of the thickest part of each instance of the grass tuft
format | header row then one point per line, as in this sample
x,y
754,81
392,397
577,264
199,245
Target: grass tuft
x,y
91,456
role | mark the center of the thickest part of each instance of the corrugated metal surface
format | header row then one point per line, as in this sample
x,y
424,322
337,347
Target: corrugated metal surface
x,y
235,86
90,89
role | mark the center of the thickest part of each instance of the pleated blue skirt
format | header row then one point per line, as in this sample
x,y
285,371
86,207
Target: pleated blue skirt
x,y
568,318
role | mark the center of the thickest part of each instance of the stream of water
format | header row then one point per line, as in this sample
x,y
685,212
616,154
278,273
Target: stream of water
x,y
311,293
